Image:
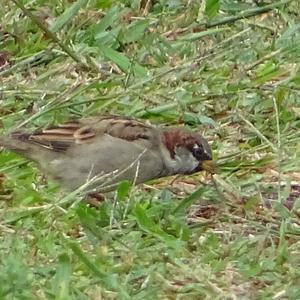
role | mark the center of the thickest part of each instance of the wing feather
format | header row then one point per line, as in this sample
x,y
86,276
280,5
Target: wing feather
x,y
61,137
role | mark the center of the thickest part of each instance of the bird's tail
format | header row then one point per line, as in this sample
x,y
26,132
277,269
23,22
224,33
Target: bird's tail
x,y
14,143
19,143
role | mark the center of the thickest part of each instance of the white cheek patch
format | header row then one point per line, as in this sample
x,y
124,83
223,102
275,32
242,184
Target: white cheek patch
x,y
185,162
182,163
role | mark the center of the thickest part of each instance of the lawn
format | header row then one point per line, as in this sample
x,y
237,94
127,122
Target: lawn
x,y
227,69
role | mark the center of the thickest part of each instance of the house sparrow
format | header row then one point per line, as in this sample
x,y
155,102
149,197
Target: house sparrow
x,y
100,152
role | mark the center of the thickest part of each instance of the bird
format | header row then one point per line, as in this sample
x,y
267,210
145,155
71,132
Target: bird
x,y
101,151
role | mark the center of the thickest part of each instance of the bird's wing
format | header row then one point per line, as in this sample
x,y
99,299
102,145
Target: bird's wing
x,y
59,138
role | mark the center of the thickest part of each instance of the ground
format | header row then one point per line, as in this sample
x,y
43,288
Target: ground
x,y
228,69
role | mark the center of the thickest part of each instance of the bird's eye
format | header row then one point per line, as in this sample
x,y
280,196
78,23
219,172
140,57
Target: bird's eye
x,y
198,151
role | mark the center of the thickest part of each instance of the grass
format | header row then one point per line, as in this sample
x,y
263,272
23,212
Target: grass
x,y
229,69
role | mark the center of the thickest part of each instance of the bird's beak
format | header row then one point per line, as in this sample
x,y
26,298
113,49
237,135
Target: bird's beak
x,y
209,166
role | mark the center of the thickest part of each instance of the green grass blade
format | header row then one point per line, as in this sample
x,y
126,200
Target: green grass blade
x,y
109,280
62,278
68,15
123,62
148,225
189,200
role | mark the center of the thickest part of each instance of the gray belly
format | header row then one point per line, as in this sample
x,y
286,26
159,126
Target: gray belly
x,y
102,165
